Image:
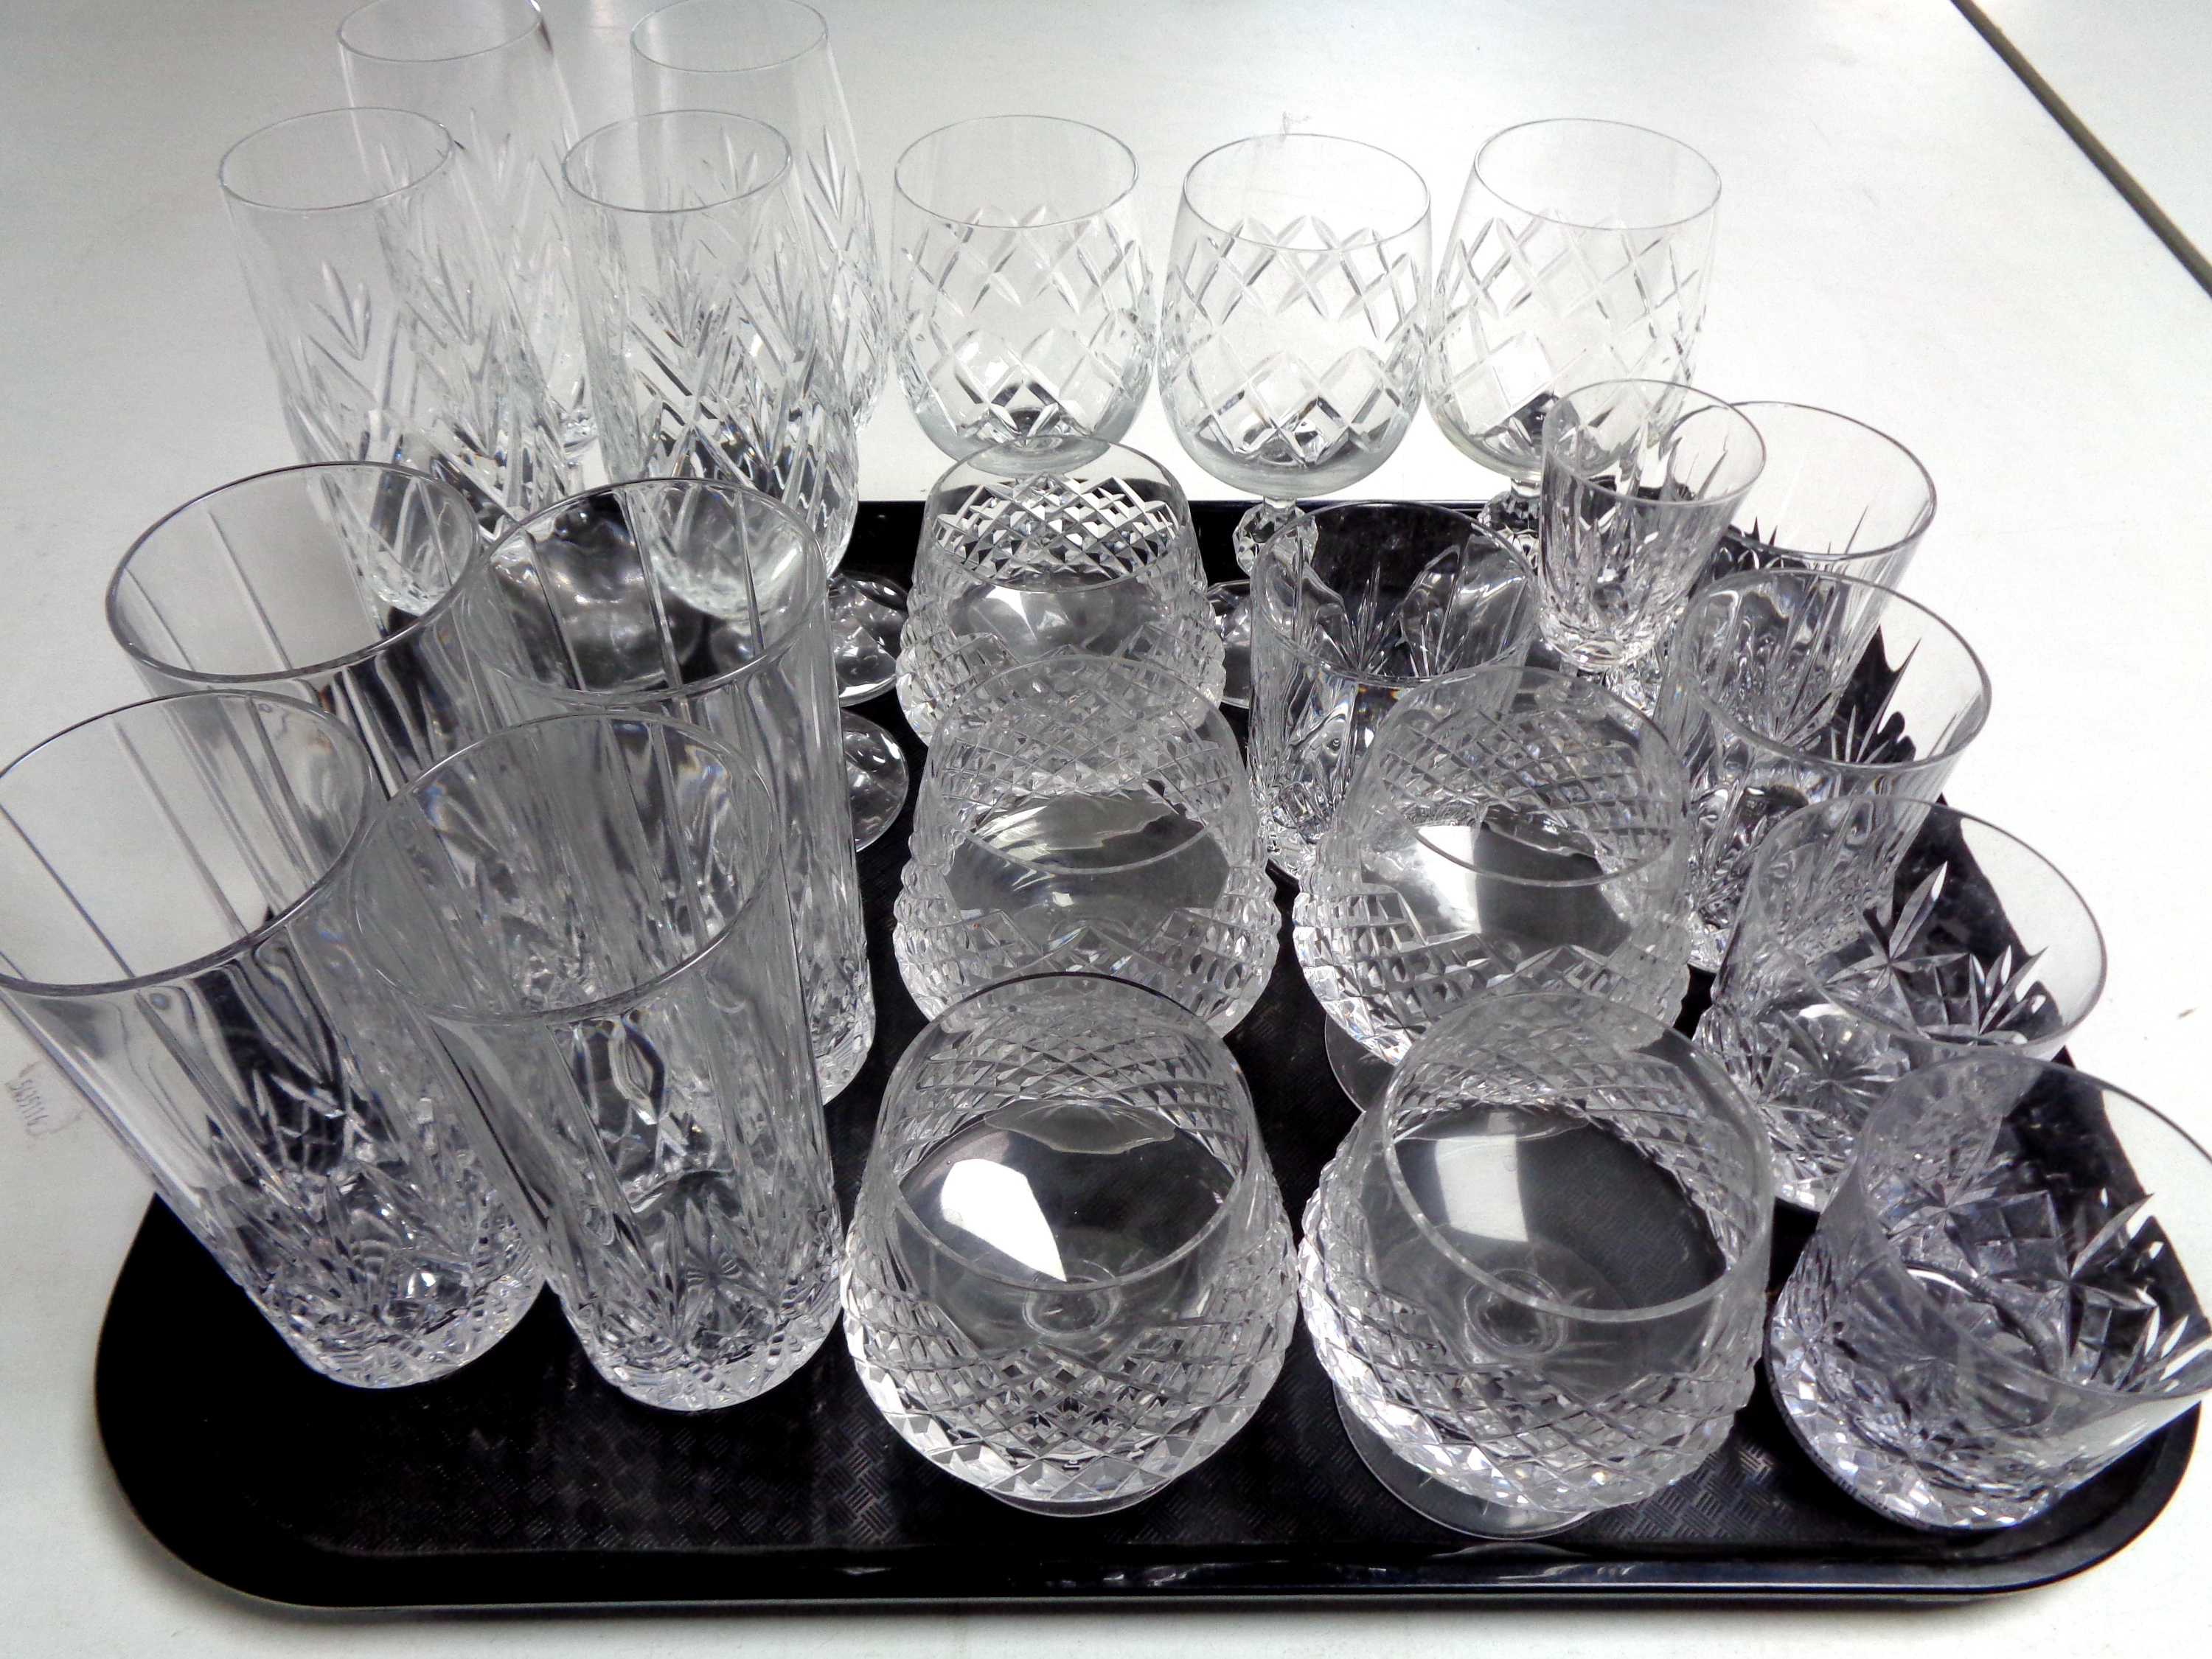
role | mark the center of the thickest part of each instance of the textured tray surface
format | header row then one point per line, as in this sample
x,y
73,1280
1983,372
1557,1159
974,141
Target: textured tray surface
x,y
527,1481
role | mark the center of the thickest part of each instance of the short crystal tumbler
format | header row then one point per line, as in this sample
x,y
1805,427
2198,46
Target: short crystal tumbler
x,y
1387,597
173,940
1511,829
1787,688
1880,935
587,910
2001,1297
1834,494
1068,1281
1087,814
1088,552
1535,1275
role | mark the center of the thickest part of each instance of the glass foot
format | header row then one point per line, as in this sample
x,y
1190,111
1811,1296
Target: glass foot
x,y
1360,1072
1445,1505
875,773
867,617
1231,604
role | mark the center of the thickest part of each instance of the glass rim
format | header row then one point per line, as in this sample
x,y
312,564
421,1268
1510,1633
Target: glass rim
x,y
1521,128
1419,221
320,117
1921,520
1711,404
327,882
1250,1150
535,21
445,601
821,29
899,173
1111,457
630,124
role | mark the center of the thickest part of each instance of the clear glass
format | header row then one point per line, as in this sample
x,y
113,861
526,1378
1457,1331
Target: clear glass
x,y
1087,814
1391,596
1022,296
1509,830
483,70
1087,553
386,312
1068,1281
586,912
1536,1273
705,315
700,602
2001,1299
173,940
1786,688
1881,935
1580,253
770,59
1640,479
1834,494
330,583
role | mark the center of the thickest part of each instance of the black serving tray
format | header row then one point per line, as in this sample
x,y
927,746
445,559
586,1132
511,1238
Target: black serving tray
x,y
526,1482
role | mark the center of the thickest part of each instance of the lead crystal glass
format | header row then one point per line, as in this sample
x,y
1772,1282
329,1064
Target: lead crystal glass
x,y
1023,558
1881,935
173,940
1087,814
586,910
1536,1276
2001,1298
1068,1281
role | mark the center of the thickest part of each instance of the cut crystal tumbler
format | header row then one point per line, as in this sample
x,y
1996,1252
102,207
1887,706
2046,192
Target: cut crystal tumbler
x,y
1511,829
175,939
1089,553
1787,688
700,602
1069,1276
483,70
387,313
2001,1297
1834,494
331,583
1087,814
1536,1273
1022,301
1390,595
1580,253
1882,934
588,911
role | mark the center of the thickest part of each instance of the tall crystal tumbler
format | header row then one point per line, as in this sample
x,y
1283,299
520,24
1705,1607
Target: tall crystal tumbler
x,y
1020,293
700,602
705,315
483,70
1069,1280
1511,829
1834,494
1786,688
1536,1274
1881,935
1392,595
331,583
1087,814
2002,1297
173,939
1026,557
586,910
387,313
770,59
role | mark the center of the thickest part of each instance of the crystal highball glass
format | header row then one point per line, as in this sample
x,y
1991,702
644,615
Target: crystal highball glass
x,y
387,313
1021,295
1389,596
1783,688
483,70
1024,557
588,911
1882,934
175,940
700,602
1511,829
1536,1273
1087,814
1069,1280
2001,1297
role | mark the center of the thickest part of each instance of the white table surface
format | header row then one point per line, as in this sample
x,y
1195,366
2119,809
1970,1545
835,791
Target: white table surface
x,y
1904,237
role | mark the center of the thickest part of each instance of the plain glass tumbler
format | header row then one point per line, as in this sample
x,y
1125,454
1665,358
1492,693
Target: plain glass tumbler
x,y
174,937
